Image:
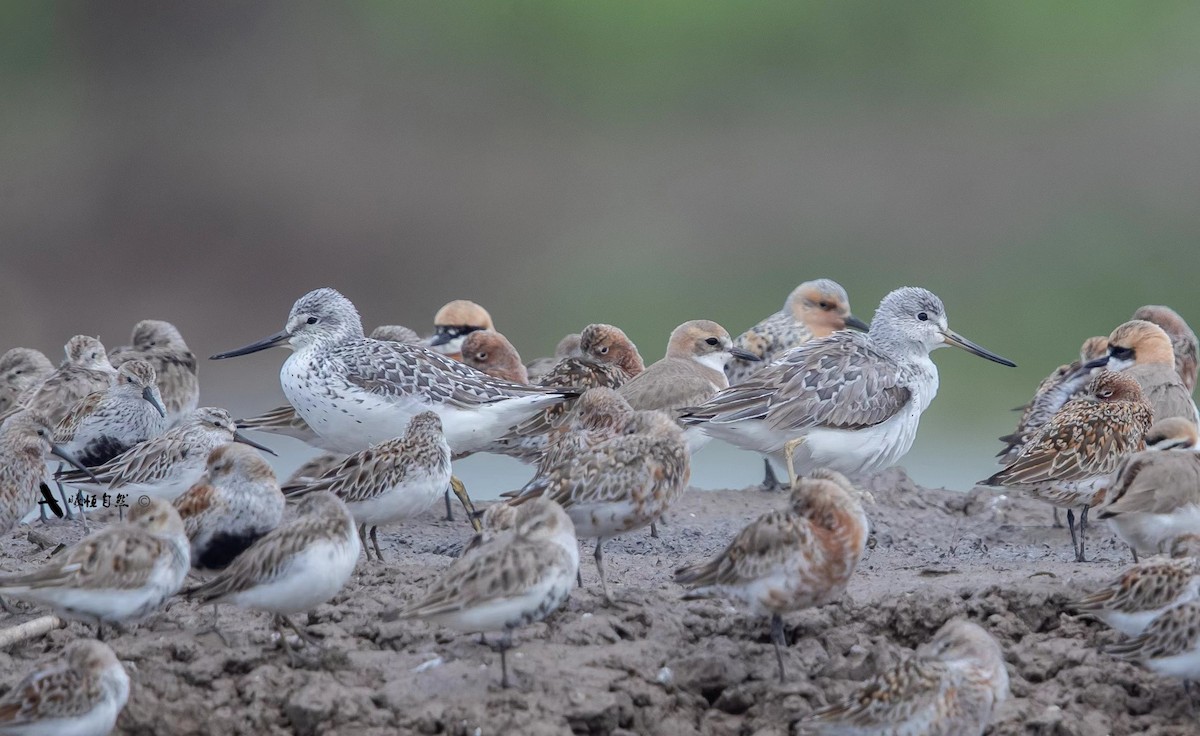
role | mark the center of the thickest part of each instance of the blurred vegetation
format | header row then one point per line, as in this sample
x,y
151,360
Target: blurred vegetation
x,y
640,163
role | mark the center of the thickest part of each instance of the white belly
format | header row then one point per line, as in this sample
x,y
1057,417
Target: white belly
x,y
531,605
98,721
401,502
1151,533
313,577
1185,666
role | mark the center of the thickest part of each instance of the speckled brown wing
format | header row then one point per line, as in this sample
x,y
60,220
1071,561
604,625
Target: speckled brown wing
x,y
839,382
194,504
67,426
910,694
1052,393
1175,631
758,549
1144,587
147,462
280,420
359,477
119,557
768,340
491,572
56,691
1084,440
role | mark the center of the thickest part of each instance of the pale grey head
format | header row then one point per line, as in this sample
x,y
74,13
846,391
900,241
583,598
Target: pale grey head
x,y
426,422
150,334
395,333
912,321
86,351
140,377
29,433
320,317
24,366
210,419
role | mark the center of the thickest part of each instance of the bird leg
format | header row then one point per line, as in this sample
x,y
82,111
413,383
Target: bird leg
x,y
778,639
770,481
1133,552
215,626
1057,523
1082,530
502,646
789,450
375,544
460,490
449,508
283,642
653,530
599,555
1074,539
362,538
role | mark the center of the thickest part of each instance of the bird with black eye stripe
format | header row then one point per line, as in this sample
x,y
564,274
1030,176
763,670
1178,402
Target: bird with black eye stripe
x,y
453,322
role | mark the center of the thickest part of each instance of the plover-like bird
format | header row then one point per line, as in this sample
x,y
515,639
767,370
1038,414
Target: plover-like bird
x,y
355,392
487,351
1143,350
791,559
295,568
1170,645
167,465
85,370
1154,495
814,309
233,505
1065,383
516,578
692,372
1073,456
103,425
122,573
951,686
395,480
610,359
26,439
568,347
21,369
620,485
80,693
395,333
453,322
851,401
1144,591
176,368
1183,340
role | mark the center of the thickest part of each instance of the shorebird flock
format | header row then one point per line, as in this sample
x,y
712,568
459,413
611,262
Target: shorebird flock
x,y
816,391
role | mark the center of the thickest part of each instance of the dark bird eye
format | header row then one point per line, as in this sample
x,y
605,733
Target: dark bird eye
x,y
823,305
604,350
481,356
311,320
922,316
713,341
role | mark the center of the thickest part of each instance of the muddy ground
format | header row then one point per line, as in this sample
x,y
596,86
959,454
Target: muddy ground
x,y
660,665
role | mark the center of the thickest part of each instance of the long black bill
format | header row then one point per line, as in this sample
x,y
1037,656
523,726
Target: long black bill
x,y
854,323
958,341
745,355
239,437
73,461
1086,368
275,340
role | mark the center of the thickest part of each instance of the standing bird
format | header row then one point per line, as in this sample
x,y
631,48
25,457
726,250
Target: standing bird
x,y
85,370
21,369
487,351
513,579
122,573
354,391
568,347
392,481
1154,495
160,344
609,360
167,465
1065,383
1183,340
791,559
690,374
1072,457
293,569
851,401
1143,592
26,439
395,333
80,693
951,687
620,485
104,424
1143,350
231,507
453,322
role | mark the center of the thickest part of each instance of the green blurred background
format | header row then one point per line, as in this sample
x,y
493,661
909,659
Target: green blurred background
x,y
640,163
